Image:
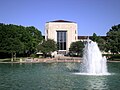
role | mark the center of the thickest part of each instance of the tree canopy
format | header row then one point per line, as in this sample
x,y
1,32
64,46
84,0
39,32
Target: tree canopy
x,y
18,39
113,39
101,41
47,46
76,47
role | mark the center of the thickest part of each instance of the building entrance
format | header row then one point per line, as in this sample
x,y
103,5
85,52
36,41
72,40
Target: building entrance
x,y
61,40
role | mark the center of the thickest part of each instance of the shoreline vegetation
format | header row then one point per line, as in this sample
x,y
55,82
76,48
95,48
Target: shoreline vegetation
x,y
18,42
49,60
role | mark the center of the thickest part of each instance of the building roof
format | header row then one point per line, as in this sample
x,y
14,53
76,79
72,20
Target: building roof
x,y
62,21
85,37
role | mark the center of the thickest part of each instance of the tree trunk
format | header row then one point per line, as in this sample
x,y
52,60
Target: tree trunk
x,y
12,57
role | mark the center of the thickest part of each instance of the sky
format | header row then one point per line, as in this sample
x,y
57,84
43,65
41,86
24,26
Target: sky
x,y
92,16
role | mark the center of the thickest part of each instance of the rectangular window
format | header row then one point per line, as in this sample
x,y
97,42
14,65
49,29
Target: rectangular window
x,y
75,31
61,40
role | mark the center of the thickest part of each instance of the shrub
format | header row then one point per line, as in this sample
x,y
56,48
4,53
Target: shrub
x,y
112,56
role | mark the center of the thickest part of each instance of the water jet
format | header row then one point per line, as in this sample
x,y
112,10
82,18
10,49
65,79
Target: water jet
x,y
93,62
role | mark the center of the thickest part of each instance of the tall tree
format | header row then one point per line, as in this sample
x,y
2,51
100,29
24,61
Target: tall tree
x,y
77,47
35,38
101,42
17,39
47,46
94,37
9,42
113,39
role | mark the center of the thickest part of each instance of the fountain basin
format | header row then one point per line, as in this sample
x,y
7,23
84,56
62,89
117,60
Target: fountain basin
x,y
93,74
54,76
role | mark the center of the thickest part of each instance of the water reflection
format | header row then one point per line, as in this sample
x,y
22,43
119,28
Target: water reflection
x,y
97,83
71,66
55,76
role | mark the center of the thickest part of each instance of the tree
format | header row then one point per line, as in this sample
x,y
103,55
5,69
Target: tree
x,y
36,37
76,47
101,42
113,39
46,47
19,39
14,46
9,42
94,37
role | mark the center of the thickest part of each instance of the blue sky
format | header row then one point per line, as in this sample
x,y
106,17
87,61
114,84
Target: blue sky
x,y
92,16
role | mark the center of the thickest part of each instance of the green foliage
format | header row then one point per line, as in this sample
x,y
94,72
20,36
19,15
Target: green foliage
x,y
101,42
19,39
113,39
76,47
112,56
34,55
115,57
94,37
47,46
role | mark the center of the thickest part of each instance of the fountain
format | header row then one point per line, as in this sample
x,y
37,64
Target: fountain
x,y
93,62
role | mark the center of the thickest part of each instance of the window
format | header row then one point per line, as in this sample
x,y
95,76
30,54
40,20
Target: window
x,y
47,31
61,40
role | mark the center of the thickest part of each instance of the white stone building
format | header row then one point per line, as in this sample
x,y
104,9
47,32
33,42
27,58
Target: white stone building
x,y
63,32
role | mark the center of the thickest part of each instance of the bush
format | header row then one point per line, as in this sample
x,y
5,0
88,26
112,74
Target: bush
x,y
112,56
116,56
34,55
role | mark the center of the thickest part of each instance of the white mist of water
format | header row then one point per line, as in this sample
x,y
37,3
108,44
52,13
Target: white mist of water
x,y
93,62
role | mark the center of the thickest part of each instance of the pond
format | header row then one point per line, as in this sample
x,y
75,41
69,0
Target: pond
x,y
55,76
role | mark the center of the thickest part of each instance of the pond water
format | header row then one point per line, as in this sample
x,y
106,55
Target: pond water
x,y
55,76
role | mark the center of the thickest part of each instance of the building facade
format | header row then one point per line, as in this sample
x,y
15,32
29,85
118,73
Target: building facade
x,y
63,32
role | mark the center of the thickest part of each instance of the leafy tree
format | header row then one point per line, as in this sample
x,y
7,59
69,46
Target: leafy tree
x,y
76,47
101,42
9,40
94,37
31,37
14,46
46,47
16,39
36,37
113,39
